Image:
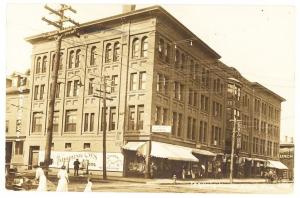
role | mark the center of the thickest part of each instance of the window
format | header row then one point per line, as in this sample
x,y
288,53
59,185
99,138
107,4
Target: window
x,y
61,61
191,94
19,148
76,88
86,146
142,80
203,132
114,83
42,92
69,84
131,118
194,129
68,146
161,46
112,119
6,126
44,63
158,115
91,86
38,65
135,48
93,56
71,59
36,92
177,58
37,122
180,121
86,122
174,123
53,61
92,120
140,117
216,135
144,52
117,52
55,122
108,52
77,58
204,103
57,91
168,53
165,116
182,61
178,91
71,120
133,81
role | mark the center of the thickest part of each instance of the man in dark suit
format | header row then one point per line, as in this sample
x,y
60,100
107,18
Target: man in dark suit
x,y
76,167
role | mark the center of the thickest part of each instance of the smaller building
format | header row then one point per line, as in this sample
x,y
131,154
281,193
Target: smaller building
x,y
286,155
17,111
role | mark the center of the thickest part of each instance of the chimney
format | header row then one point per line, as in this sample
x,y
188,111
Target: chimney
x,y
128,8
286,139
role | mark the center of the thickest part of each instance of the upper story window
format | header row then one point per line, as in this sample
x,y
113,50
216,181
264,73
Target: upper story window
x,y
77,58
44,63
135,48
117,51
177,58
93,55
60,61
37,122
71,59
108,52
71,120
144,52
161,47
182,61
168,53
38,65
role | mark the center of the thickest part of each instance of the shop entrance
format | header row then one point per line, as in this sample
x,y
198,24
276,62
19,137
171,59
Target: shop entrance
x,y
8,152
33,156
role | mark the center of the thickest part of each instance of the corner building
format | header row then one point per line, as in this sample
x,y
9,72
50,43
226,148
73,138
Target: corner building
x,y
159,73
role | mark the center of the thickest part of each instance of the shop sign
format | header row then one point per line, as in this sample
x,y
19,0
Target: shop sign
x,y
286,156
114,161
161,129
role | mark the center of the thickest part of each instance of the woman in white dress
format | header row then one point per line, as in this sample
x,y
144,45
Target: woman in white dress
x,y
88,187
63,181
40,175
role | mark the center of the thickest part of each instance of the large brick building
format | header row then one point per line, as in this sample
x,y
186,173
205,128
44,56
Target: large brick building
x,y
160,73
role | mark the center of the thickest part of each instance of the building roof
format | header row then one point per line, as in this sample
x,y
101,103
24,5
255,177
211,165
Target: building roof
x,y
153,10
257,85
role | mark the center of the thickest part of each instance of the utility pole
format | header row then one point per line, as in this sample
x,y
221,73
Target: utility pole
x,y
58,35
104,98
232,147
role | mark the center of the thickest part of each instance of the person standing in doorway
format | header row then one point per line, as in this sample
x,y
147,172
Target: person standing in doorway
x,y
63,181
76,167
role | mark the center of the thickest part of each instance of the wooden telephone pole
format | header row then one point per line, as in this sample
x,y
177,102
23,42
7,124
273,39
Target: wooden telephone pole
x,y
58,35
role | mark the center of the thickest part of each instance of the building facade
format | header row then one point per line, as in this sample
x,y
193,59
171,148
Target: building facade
x,y
159,74
17,112
287,157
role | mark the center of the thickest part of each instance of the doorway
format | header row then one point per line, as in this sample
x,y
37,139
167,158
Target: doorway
x,y
33,156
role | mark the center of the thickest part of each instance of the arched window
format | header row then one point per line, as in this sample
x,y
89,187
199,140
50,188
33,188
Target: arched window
x,y
177,58
77,58
144,52
117,51
71,59
161,47
93,56
108,53
135,48
38,65
44,63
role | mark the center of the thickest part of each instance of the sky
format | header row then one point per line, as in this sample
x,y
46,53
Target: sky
x,y
258,40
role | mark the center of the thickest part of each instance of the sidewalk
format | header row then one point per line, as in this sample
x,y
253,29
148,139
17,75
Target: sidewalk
x,y
111,179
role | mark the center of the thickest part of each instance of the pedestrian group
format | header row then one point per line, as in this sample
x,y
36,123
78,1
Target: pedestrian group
x,y
63,178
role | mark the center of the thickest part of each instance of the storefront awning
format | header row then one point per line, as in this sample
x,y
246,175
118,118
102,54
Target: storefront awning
x,y
133,146
276,164
204,152
258,159
163,150
172,152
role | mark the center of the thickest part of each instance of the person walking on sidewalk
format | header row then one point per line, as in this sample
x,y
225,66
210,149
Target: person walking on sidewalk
x,y
63,181
40,176
76,167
